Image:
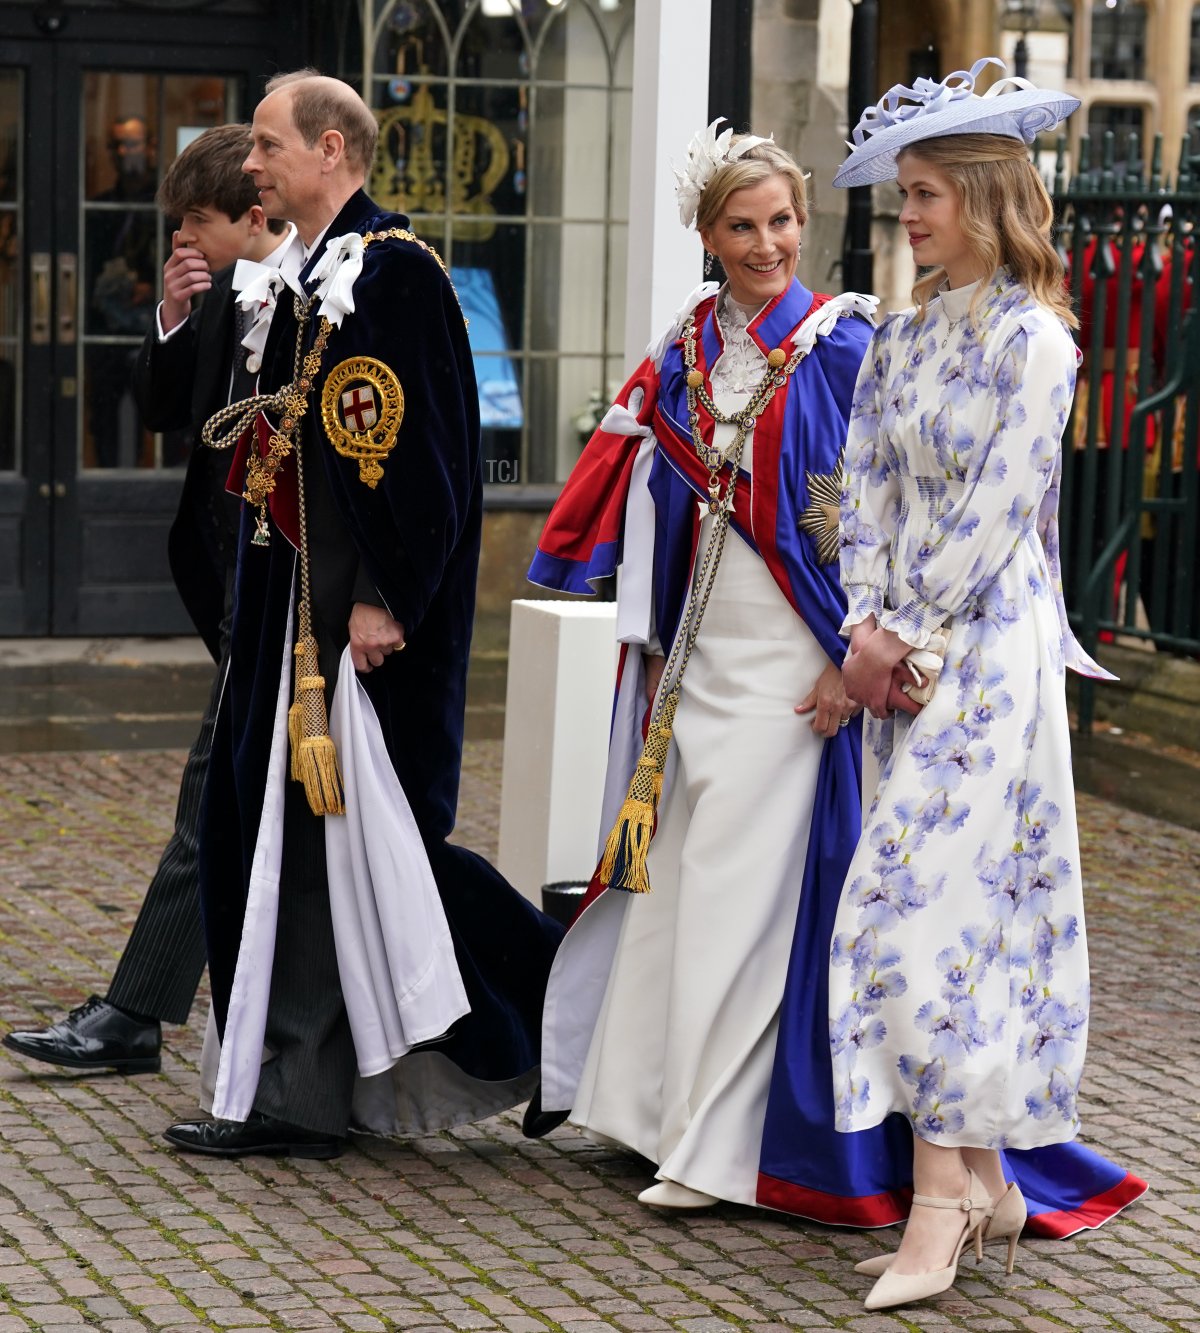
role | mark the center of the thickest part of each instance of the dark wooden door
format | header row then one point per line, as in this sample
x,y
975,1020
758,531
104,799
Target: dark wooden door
x,y
89,121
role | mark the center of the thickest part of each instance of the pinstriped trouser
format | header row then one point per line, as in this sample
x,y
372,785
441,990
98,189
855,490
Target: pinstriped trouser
x,y
164,958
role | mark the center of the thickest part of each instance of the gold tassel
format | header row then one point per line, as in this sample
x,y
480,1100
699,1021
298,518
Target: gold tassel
x,y
321,776
295,735
313,756
623,865
305,653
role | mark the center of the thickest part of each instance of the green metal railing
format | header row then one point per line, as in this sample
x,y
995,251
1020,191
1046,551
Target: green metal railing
x,y
1128,517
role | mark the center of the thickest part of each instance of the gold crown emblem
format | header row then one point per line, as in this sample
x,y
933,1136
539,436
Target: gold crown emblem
x,y
414,163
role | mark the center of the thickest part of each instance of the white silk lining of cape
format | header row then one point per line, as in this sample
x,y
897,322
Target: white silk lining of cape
x,y
396,962
246,1022
635,604
584,958
400,979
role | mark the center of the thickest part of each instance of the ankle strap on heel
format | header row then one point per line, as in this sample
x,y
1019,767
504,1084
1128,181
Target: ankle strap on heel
x,y
964,1205
975,1201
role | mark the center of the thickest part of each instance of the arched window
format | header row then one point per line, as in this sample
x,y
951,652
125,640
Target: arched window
x,y
1118,39
504,135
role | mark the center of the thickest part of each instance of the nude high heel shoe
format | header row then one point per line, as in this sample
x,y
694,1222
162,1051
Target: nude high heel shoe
x,y
1006,1220
893,1289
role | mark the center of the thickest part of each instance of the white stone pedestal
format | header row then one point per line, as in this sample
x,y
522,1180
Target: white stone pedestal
x,y
561,675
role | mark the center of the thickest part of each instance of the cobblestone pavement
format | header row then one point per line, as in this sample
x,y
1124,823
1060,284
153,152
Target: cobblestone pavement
x,y
103,1227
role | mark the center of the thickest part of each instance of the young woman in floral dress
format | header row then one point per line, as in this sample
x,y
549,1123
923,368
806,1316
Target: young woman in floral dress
x,y
959,975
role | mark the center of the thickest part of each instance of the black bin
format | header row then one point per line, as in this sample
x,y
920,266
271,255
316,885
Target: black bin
x,y
562,898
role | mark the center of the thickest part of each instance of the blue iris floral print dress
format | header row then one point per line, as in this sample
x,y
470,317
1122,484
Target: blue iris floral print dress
x,y
959,977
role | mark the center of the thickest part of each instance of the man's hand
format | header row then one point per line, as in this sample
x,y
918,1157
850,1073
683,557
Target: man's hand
x,y
185,274
653,664
374,635
828,703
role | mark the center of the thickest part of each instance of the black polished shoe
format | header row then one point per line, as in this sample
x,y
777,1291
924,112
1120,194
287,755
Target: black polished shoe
x,y
261,1135
536,1123
95,1036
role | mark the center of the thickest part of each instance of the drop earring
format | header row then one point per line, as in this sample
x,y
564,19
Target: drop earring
x,y
708,263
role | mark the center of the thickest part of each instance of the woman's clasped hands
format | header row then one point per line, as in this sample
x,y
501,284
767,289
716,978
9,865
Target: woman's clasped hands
x,y
872,674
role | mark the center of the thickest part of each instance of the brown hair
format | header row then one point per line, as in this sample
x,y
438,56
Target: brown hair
x,y
208,174
1005,215
756,165
321,103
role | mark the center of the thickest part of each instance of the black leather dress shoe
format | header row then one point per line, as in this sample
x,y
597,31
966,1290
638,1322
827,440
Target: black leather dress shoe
x,y
536,1123
95,1036
261,1135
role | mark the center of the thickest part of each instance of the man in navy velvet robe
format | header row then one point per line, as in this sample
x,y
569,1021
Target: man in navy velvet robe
x,y
393,568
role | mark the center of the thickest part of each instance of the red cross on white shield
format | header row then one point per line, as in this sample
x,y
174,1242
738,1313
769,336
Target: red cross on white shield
x,y
358,408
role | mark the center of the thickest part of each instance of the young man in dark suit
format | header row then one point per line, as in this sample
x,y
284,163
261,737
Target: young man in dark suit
x,y
190,365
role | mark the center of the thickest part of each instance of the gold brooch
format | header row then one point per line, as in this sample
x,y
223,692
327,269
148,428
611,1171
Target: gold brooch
x,y
362,406
820,520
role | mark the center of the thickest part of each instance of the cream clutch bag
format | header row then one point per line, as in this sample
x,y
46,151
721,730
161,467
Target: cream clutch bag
x,y
925,666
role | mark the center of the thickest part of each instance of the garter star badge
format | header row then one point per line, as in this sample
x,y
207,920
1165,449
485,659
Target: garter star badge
x,y
820,519
362,406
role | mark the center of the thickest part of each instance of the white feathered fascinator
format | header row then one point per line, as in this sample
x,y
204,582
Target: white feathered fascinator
x,y
707,151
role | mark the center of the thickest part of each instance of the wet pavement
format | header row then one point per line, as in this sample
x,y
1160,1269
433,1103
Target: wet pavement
x,y
103,1227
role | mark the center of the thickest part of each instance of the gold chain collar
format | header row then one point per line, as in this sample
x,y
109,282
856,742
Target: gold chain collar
x,y
779,367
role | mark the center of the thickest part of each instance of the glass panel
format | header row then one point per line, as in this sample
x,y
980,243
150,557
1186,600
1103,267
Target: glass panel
x,y
571,166
11,86
133,127
622,140
497,369
1118,40
493,46
120,259
191,104
618,260
409,172
489,167
568,275
565,395
413,42
501,255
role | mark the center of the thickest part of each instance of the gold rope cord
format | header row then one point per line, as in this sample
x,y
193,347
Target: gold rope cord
x,y
314,757
402,234
623,864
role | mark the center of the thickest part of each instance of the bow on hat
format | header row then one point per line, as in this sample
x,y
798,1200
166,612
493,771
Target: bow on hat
x,y
929,96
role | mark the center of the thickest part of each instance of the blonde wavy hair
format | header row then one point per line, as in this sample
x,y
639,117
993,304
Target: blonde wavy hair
x,y
1005,215
756,165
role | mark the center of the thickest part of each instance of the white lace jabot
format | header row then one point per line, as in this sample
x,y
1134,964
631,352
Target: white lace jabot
x,y
741,366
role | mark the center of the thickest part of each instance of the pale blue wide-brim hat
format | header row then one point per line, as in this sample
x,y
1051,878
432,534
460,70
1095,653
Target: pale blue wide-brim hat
x,y
1013,108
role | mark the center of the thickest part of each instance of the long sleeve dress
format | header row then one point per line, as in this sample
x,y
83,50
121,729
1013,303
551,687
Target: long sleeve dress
x,y
959,976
